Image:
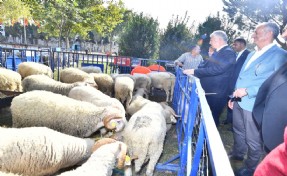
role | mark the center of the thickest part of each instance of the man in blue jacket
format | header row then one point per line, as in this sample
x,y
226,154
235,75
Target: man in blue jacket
x,y
258,66
215,73
270,112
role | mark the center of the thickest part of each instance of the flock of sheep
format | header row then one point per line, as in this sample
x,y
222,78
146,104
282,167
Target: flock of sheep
x,y
53,121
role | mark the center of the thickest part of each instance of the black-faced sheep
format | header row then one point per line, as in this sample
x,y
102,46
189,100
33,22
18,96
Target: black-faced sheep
x,y
43,82
32,68
61,113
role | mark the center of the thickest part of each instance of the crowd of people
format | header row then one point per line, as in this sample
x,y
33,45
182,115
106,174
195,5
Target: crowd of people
x,y
253,85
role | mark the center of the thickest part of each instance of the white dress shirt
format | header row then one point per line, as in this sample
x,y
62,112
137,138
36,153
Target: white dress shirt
x,y
257,54
239,53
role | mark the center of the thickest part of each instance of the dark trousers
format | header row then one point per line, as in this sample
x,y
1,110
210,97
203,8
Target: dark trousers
x,y
229,115
246,137
216,104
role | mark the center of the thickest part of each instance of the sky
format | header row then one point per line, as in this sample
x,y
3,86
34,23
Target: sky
x,y
163,10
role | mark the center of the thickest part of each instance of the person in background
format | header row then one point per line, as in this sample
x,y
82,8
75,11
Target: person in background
x,y
190,60
270,112
239,45
259,65
215,73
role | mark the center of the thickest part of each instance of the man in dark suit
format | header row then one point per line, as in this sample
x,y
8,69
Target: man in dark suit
x,y
270,112
239,46
215,73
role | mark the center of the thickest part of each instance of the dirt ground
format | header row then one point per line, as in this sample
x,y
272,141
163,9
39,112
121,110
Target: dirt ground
x,y
170,146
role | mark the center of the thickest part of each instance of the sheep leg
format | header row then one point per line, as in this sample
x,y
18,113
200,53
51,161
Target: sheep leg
x,y
167,94
141,158
154,156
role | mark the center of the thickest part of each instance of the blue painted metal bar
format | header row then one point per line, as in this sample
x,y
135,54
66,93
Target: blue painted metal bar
x,y
198,151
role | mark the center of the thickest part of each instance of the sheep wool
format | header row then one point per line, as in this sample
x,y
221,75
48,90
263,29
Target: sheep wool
x,y
43,82
40,150
32,68
10,80
105,82
72,75
163,80
144,135
102,161
61,113
124,87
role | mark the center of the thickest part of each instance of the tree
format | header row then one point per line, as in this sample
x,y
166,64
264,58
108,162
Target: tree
x,y
68,18
254,12
213,23
140,37
13,11
176,39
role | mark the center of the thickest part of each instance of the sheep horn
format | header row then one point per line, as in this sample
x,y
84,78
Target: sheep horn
x,y
107,120
102,142
122,156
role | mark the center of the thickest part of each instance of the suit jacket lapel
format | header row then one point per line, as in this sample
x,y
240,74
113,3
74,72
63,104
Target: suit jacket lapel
x,y
259,59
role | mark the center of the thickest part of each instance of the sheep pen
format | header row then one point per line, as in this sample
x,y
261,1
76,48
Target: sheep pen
x,y
170,145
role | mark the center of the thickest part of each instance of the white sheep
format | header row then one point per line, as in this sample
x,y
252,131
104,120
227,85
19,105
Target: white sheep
x,y
91,69
40,150
10,80
163,80
145,134
103,159
142,81
105,82
72,75
61,113
96,97
43,82
136,104
124,87
32,68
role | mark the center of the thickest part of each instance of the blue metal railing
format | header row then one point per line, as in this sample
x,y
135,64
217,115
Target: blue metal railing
x,y
201,150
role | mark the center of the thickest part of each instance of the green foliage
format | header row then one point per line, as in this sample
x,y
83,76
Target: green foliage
x,y
140,37
68,18
252,12
213,23
176,39
13,10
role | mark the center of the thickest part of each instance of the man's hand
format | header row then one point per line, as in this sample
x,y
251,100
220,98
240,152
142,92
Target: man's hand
x,y
189,72
239,93
230,104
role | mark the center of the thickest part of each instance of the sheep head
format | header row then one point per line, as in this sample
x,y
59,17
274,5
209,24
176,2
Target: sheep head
x,y
169,113
122,154
90,80
114,122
